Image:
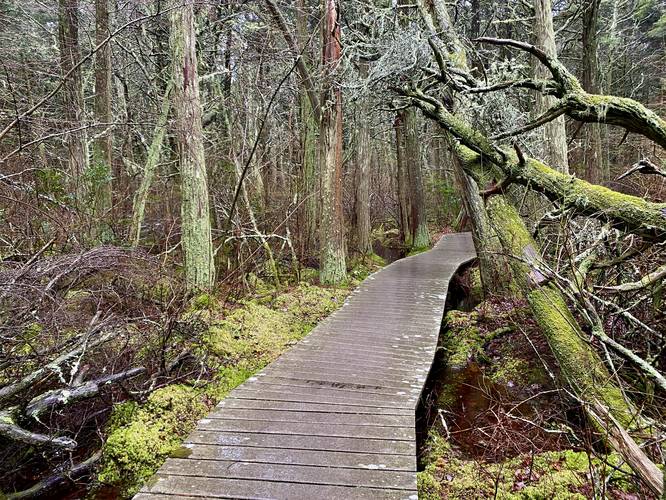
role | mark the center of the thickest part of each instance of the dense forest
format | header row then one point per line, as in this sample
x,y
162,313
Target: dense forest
x,y
188,187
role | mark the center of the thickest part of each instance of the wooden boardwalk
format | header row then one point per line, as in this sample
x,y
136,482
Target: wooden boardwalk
x,y
335,416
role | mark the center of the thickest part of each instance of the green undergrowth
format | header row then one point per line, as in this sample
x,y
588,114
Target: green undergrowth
x,y
558,475
240,338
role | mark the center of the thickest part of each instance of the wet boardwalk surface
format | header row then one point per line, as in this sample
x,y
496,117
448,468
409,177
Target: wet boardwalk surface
x,y
333,418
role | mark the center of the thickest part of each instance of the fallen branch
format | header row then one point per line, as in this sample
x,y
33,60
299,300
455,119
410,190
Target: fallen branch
x,y
623,443
60,397
645,167
647,280
629,213
41,488
10,429
592,108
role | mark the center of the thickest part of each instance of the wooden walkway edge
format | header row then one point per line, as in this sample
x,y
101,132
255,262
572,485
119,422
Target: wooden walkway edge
x,y
335,416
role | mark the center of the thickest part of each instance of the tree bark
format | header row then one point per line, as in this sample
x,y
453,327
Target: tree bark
x,y
154,150
554,132
74,111
331,237
420,237
402,181
102,154
593,158
196,238
362,177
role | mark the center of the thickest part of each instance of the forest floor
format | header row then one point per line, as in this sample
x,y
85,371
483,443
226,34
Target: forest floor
x,y
498,427
239,338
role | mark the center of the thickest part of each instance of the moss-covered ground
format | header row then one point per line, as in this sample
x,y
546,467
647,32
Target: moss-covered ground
x,y
240,337
499,427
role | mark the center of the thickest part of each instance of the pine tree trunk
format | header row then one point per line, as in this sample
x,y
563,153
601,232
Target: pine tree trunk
x,y
102,154
554,132
195,213
74,111
362,178
331,237
593,159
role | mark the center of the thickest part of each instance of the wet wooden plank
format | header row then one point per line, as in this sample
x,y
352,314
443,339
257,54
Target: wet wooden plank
x,y
303,457
313,417
333,417
308,406
312,474
298,442
192,487
307,429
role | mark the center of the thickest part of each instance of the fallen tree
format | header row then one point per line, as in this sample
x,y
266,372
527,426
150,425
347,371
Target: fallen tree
x,y
583,371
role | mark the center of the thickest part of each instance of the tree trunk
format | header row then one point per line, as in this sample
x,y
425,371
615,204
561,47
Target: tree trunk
x,y
331,237
420,236
494,270
593,158
195,217
74,112
402,181
362,178
580,366
102,155
141,195
554,132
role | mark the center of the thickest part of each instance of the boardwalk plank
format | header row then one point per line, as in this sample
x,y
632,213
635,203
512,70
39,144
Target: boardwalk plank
x,y
307,429
298,442
313,417
337,476
205,487
335,416
303,457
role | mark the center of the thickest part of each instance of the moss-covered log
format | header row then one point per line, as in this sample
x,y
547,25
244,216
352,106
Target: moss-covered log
x,y
629,213
583,370
591,108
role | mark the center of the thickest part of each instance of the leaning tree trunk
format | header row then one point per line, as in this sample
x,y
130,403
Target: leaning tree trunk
x,y
153,157
74,112
102,155
593,158
362,177
554,132
196,228
331,237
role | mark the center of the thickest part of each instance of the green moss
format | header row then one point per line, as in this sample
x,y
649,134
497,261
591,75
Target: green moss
x,y
141,438
253,333
462,339
583,369
554,474
476,285
511,370
417,250
203,302
428,486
